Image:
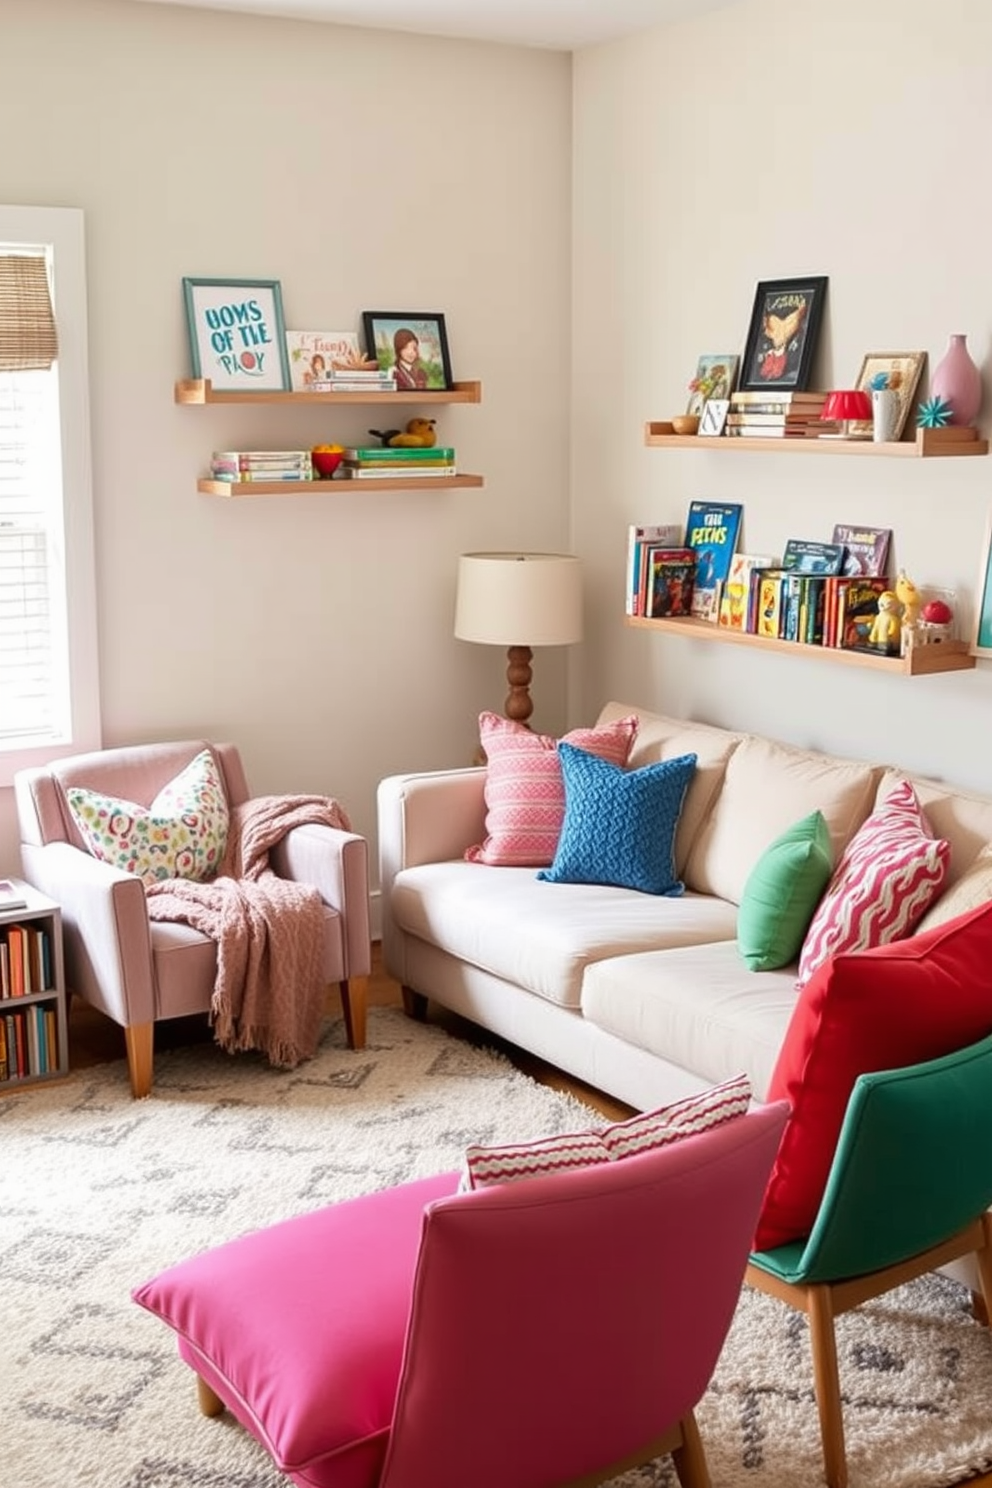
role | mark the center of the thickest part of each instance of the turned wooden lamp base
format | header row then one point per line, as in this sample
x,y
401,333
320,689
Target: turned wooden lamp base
x,y
519,704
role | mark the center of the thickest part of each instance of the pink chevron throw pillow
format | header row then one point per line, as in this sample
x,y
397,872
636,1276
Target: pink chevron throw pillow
x,y
890,872
525,792
689,1117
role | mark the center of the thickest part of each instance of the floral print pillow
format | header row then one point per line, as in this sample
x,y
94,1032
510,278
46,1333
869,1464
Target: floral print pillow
x,y
181,835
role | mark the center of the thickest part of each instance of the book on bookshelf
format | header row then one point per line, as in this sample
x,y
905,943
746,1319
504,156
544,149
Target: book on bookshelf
x,y
313,355
857,614
670,581
277,473
11,896
810,557
438,454
737,587
711,532
764,431
394,472
786,399
258,459
768,418
866,549
639,537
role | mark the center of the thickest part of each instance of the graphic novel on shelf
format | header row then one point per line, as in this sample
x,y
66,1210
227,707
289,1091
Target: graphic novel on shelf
x,y
857,611
866,549
736,594
671,573
711,532
639,537
809,557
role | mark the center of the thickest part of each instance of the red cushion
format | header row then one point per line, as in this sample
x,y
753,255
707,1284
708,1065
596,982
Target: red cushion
x,y
884,1008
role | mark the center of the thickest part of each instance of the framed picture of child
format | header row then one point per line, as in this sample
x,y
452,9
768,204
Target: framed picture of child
x,y
413,345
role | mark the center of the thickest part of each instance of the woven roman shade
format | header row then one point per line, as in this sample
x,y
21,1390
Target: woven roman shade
x,y
28,338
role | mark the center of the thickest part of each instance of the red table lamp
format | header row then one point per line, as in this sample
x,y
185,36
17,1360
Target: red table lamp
x,y
848,406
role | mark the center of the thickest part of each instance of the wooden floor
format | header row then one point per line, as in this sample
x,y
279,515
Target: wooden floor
x,y
94,1039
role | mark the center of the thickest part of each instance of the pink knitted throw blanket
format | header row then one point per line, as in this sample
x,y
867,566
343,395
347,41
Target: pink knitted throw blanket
x,y
269,989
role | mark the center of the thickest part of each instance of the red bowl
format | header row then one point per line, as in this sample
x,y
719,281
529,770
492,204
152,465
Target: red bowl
x,y
325,462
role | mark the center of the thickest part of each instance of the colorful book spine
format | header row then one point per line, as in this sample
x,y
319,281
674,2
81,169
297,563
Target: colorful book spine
x,y
393,472
235,477
442,454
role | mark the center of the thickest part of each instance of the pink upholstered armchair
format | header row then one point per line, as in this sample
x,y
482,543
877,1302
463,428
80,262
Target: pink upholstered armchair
x,y
555,1330
138,971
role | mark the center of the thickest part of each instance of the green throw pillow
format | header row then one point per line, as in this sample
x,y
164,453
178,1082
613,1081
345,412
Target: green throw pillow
x,y
781,894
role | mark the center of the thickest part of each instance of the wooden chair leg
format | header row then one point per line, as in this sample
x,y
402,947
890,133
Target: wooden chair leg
x,y
354,1004
690,1459
415,1004
826,1381
982,1301
140,1041
209,1401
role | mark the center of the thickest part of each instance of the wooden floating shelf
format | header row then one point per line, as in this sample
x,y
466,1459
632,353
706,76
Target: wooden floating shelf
x,y
336,487
928,444
921,661
198,390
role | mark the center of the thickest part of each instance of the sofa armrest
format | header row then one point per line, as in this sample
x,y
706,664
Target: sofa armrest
x,y
337,864
107,940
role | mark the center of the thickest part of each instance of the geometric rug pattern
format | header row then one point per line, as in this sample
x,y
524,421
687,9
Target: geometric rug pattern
x,y
99,1192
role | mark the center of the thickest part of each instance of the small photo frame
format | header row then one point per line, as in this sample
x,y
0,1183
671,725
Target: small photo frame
x,y
716,377
982,638
237,335
781,339
897,370
714,416
413,345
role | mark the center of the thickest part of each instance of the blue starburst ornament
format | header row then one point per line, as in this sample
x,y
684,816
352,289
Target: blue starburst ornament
x,y
934,414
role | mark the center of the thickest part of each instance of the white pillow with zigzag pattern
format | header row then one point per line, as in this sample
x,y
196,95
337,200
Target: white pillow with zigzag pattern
x,y
891,871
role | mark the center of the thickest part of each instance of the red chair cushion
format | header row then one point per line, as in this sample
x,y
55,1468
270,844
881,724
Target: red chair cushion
x,y
893,1005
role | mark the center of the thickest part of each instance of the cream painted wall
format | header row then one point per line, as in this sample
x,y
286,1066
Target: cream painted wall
x,y
364,169
767,140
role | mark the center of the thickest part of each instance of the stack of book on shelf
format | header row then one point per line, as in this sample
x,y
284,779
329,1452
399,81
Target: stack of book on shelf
x,y
641,539
343,379
261,465
775,415
366,462
28,1037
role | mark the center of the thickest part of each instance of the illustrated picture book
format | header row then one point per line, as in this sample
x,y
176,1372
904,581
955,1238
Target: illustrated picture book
x,y
313,355
711,531
734,600
809,557
670,582
866,549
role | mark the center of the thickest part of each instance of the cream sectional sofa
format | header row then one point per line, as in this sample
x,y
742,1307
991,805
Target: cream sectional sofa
x,y
645,998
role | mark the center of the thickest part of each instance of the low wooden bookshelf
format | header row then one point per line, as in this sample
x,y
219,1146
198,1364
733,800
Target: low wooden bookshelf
x,y
38,914
337,487
198,390
928,444
921,661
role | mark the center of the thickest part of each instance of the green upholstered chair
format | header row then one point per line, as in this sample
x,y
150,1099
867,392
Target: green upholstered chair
x,y
908,1191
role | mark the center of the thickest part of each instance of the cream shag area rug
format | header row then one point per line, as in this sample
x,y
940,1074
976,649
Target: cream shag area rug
x,y
99,1192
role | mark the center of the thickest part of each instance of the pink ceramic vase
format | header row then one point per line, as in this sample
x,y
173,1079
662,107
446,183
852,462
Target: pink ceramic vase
x,y
958,381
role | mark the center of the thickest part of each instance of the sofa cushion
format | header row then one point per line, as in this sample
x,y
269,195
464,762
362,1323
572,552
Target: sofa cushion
x,y
182,834
661,738
782,891
646,1132
619,825
962,818
542,936
694,1006
902,1003
767,787
525,796
972,889
890,871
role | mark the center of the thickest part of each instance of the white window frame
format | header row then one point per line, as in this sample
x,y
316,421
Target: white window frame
x,y
62,230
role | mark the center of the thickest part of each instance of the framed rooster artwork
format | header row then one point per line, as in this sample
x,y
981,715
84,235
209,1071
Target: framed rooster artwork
x,y
781,340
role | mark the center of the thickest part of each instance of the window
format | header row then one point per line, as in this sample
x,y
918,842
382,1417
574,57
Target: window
x,y
49,688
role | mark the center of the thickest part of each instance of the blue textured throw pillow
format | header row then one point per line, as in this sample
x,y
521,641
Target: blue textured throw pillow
x,y
619,825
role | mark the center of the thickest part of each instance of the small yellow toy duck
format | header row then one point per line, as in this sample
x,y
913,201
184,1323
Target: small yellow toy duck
x,y
420,433
909,597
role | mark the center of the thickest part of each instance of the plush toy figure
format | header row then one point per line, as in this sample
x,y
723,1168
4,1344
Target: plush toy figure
x,y
909,597
418,434
885,628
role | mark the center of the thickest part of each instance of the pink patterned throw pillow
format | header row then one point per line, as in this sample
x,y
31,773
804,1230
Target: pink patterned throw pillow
x,y
890,872
486,1166
525,793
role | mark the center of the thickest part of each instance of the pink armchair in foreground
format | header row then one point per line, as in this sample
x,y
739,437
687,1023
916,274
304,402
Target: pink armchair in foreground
x,y
137,971
552,1331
